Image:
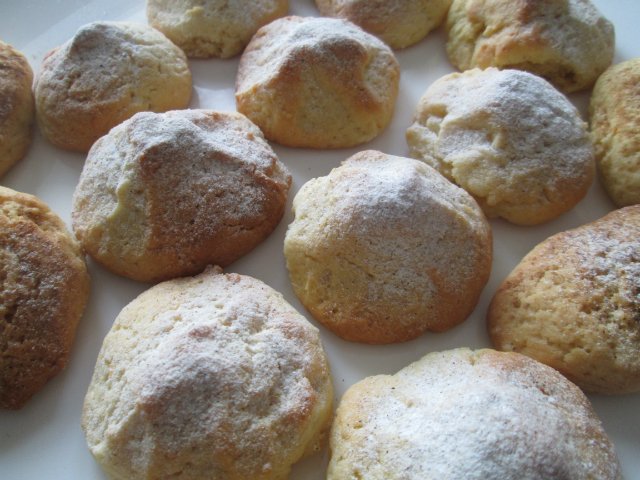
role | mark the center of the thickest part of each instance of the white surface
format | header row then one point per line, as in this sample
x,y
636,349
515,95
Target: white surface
x,y
44,440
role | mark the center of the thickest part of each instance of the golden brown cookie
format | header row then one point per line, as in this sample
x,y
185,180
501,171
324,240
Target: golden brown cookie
x,y
463,414
574,303
384,248
399,23
509,139
166,194
105,74
615,127
44,289
568,42
16,106
212,28
317,82
212,377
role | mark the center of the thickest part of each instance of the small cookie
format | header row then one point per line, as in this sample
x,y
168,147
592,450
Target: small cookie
x,y
166,194
317,82
16,106
105,74
568,42
44,289
212,377
469,415
399,24
508,138
384,248
212,28
615,127
573,303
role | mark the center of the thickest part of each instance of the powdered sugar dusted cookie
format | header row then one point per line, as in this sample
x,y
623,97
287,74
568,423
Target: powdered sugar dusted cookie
x,y
399,23
165,194
574,303
384,248
568,42
210,377
507,137
105,74
473,415
212,28
317,82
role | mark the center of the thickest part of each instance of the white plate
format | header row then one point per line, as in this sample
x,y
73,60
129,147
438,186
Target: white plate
x,y
44,439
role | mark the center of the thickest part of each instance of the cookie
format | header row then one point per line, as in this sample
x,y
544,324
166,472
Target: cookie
x,y
166,194
210,377
212,28
103,75
568,42
317,83
473,415
615,122
43,293
384,248
399,24
573,303
507,137
16,106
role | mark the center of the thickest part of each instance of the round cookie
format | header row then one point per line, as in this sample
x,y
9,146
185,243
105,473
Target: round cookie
x,y
43,292
317,82
384,248
105,74
212,377
399,24
16,106
615,123
166,194
573,304
473,415
568,42
507,137
212,28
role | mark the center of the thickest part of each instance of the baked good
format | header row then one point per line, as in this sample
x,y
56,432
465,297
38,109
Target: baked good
x,y
573,303
384,248
211,377
615,123
212,28
568,42
473,415
317,82
166,194
103,75
43,291
16,106
507,137
399,24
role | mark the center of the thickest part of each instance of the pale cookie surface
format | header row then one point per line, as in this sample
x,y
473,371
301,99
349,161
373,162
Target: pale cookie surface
x,y
573,303
399,23
213,377
16,106
568,42
615,131
44,288
384,248
507,137
105,74
165,194
317,82
465,414
212,28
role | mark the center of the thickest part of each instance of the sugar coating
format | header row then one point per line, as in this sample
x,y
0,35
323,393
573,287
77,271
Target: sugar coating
x,y
210,377
507,137
473,415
